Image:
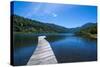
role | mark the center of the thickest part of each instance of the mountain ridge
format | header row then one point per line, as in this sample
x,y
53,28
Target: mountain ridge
x,y
21,24
82,27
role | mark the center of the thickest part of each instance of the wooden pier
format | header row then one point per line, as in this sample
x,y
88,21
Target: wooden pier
x,y
43,53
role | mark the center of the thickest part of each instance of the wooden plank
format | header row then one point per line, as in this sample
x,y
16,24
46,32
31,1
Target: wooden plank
x,y
43,53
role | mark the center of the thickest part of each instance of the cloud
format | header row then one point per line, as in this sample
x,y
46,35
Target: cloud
x,y
54,15
42,9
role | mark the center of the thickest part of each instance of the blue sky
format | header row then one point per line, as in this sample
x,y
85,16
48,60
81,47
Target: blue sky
x,y
66,15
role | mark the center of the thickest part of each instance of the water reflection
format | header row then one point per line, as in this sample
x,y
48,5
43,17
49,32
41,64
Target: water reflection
x,y
67,47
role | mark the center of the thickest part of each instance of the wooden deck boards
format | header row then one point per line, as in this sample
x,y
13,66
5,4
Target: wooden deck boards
x,y
43,53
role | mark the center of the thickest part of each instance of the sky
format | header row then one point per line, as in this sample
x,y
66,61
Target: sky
x,y
67,15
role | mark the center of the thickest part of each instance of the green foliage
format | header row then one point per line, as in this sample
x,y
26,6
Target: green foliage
x,y
21,24
91,29
88,31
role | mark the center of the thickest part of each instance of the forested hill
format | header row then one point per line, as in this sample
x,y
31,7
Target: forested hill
x,y
88,30
21,24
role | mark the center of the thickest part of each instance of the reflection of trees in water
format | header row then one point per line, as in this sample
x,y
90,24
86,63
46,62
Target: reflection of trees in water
x,y
86,38
53,38
20,40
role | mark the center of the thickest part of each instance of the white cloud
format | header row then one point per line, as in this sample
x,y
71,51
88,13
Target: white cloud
x,y
54,15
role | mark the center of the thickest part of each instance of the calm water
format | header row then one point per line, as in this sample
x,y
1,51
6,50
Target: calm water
x,y
67,48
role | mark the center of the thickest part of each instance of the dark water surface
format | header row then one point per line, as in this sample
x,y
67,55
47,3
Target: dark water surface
x,y
67,48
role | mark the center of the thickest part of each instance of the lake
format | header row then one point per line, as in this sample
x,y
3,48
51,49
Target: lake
x,y
66,47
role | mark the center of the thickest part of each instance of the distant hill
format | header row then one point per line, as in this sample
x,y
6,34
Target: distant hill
x,y
73,30
88,30
87,25
25,25
21,24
